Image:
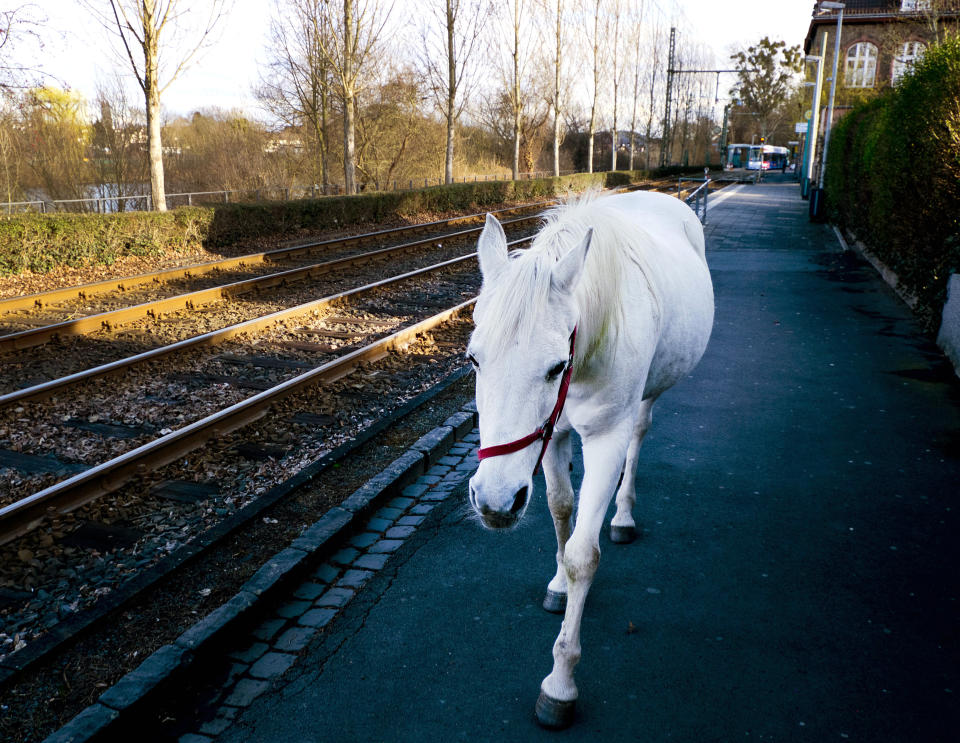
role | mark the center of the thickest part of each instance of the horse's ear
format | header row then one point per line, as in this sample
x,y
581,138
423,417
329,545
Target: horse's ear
x,y
567,272
491,249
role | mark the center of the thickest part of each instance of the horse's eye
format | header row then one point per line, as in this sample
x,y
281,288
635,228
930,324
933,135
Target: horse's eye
x,y
556,370
473,361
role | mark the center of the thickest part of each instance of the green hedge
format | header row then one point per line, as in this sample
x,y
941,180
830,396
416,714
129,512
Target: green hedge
x,y
39,242
893,176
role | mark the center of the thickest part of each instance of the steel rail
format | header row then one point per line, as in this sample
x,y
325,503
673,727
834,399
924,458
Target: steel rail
x,y
112,319
26,514
214,337
85,291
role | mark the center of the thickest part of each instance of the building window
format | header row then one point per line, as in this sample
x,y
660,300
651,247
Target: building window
x,y
908,6
861,67
910,53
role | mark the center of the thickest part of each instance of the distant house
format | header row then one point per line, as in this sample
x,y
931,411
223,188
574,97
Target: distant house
x,y
881,39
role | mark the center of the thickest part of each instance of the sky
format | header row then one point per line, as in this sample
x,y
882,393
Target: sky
x,y
78,51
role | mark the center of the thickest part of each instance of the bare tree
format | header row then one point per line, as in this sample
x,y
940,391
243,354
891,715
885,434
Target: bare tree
x,y
349,48
297,89
11,159
595,56
618,67
144,29
636,21
932,12
55,123
516,99
654,73
450,62
118,142
392,129
558,57
19,36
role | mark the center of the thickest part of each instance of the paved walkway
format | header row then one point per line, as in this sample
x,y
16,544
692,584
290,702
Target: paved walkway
x,y
797,577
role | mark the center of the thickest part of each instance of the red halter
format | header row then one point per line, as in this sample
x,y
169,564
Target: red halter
x,y
545,431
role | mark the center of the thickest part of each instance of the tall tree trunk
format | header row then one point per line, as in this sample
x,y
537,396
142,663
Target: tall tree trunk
x,y
151,90
451,94
556,95
556,144
636,91
515,166
324,146
613,146
596,84
349,144
349,136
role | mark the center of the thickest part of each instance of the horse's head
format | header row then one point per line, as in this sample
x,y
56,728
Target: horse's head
x,y
520,348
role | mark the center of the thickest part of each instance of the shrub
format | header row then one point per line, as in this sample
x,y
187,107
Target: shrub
x,y
893,176
40,242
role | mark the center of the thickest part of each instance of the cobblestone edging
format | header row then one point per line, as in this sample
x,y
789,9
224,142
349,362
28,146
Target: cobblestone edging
x,y
297,592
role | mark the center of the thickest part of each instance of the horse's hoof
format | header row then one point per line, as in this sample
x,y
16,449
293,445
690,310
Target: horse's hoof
x,y
622,534
554,714
555,602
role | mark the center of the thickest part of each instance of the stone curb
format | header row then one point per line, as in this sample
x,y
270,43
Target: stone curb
x,y
948,336
113,710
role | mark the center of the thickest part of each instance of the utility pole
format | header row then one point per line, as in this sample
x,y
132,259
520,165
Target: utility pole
x,y
672,71
667,134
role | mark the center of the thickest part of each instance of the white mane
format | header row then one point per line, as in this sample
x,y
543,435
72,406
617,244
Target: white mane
x,y
523,288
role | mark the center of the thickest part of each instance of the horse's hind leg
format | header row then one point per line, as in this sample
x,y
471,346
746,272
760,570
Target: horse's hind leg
x,y
556,470
623,529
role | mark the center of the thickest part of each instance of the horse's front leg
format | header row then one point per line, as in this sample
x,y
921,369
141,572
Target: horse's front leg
x,y
556,471
603,458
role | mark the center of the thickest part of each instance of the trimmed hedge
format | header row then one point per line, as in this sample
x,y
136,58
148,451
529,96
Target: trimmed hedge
x,y
40,242
893,177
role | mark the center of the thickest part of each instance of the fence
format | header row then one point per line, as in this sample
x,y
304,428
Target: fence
x,y
698,198
143,202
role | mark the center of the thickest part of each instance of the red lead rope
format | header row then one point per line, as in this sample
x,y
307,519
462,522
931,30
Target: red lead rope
x,y
545,431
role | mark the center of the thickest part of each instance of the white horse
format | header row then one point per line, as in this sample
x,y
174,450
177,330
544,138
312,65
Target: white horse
x,y
613,298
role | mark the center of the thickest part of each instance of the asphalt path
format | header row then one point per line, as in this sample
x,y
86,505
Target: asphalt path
x,y
797,575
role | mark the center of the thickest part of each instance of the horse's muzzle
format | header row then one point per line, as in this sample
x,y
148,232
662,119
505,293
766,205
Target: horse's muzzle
x,y
494,518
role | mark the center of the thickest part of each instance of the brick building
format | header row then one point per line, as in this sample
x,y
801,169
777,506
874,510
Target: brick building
x,y
881,40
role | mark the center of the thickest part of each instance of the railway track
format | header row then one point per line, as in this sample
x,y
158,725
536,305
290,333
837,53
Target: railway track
x,y
201,382
112,318
50,307
68,355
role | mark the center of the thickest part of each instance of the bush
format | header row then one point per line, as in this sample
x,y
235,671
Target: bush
x,y
893,176
40,242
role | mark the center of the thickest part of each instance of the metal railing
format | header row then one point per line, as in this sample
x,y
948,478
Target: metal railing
x,y
143,202
698,197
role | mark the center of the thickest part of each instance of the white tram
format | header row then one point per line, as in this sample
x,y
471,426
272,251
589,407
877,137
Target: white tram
x,y
748,156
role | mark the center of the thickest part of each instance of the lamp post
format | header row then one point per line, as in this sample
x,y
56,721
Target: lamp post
x,y
816,196
813,127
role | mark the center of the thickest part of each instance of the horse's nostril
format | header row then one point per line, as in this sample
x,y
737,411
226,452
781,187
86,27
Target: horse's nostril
x,y
472,497
519,500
